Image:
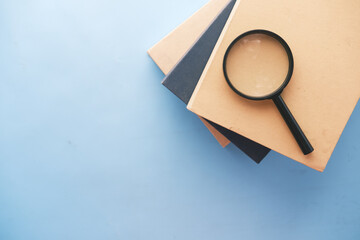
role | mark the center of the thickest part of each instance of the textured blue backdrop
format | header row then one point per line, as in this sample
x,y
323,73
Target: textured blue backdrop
x,y
93,147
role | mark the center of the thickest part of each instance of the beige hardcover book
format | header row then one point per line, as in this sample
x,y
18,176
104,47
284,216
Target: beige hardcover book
x,y
324,90
173,47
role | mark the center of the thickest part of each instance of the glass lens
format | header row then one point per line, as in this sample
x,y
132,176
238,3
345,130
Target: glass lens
x,y
257,65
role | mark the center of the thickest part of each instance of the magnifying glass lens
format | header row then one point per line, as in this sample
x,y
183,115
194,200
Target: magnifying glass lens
x,y
257,65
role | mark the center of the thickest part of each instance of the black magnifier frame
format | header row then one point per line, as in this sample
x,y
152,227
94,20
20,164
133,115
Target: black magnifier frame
x,y
299,135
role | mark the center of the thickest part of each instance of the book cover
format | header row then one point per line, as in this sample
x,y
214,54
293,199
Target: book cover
x,y
168,51
325,86
183,78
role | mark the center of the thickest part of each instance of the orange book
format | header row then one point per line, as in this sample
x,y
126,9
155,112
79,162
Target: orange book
x,y
167,52
323,92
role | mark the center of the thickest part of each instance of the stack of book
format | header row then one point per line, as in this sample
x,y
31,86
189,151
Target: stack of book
x,y
324,90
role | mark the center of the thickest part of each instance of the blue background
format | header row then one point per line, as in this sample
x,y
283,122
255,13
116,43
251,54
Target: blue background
x,y
93,147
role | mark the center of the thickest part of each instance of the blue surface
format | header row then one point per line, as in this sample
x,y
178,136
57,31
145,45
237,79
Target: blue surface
x,y
93,147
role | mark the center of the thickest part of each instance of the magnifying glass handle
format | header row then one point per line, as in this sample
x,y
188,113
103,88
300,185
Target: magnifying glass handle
x,y
295,129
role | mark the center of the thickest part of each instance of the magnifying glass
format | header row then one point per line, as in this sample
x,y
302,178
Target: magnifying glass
x,y
258,65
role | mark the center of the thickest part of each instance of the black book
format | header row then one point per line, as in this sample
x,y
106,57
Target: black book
x,y
184,77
